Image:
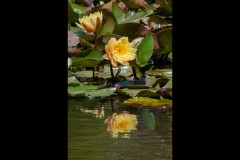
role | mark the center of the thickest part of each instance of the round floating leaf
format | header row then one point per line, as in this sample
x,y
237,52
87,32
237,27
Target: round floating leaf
x,y
85,74
156,20
72,16
92,59
145,50
166,72
107,28
77,8
148,93
164,41
73,81
147,102
89,38
79,91
102,92
69,73
169,84
130,30
133,16
118,14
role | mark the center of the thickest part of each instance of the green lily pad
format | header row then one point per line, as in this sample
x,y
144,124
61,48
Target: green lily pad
x,y
85,74
118,14
102,92
169,84
73,81
92,59
139,92
77,8
167,72
130,30
80,91
160,73
107,28
145,50
147,102
69,73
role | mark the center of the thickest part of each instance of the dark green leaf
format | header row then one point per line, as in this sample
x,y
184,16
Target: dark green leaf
x,y
107,28
119,15
130,30
148,118
145,50
92,59
164,41
77,8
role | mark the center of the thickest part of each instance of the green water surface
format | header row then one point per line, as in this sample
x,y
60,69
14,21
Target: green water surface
x,y
88,138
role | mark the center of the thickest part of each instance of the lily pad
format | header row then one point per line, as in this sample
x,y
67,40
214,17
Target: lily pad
x,y
145,50
77,8
73,81
69,73
130,30
80,91
101,92
92,59
85,74
139,92
147,102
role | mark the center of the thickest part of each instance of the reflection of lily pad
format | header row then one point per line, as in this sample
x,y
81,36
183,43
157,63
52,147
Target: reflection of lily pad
x,y
148,118
147,102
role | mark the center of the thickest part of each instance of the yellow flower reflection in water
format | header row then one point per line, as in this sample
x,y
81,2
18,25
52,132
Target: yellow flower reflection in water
x,y
90,23
121,123
120,51
99,112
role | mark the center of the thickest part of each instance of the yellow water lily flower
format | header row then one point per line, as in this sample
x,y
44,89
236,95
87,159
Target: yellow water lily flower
x,y
121,123
90,23
120,51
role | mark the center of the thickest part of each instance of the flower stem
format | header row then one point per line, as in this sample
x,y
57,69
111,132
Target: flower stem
x,y
93,72
134,73
112,75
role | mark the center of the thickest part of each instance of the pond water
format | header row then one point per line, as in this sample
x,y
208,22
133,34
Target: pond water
x,y
90,139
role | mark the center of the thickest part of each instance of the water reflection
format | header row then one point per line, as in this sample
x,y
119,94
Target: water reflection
x,y
121,123
101,128
98,112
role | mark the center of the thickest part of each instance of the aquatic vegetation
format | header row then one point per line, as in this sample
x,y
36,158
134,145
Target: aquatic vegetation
x,y
105,36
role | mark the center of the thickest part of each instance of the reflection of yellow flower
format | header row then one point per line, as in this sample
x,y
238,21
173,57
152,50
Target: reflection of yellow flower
x,y
121,123
90,23
120,51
